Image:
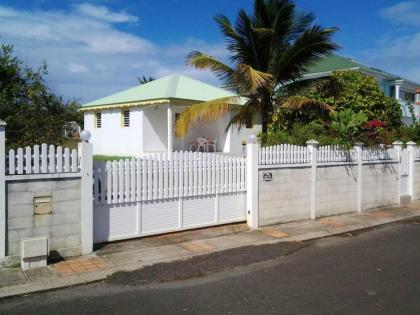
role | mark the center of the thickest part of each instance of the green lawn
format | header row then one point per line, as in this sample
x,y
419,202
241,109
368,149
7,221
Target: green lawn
x,y
105,158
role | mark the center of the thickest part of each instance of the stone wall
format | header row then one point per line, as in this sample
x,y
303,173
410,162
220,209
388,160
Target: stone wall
x,y
63,226
286,197
336,189
379,185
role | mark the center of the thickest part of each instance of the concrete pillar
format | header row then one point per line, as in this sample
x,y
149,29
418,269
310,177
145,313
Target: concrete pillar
x,y
313,149
397,92
86,169
3,215
358,150
411,147
397,145
170,130
252,217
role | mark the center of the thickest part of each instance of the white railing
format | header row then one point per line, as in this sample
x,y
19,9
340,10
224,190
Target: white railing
x,y
417,153
293,154
334,153
284,154
42,159
378,154
158,177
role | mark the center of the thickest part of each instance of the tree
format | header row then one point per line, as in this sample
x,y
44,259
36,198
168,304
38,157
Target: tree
x,y
144,79
270,51
361,93
32,112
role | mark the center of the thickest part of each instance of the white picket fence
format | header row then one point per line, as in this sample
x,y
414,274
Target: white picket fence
x,y
293,154
417,153
378,154
42,159
157,177
284,154
334,153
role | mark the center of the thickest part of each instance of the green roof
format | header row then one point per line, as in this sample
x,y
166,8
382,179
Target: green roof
x,y
173,86
334,62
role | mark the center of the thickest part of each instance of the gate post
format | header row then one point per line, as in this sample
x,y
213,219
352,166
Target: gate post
x,y
313,148
397,145
3,214
86,170
411,147
358,150
252,215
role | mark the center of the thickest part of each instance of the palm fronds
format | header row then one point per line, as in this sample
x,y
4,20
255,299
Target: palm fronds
x,y
205,111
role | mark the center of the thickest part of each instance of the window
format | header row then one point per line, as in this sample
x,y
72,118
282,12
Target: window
x,y
249,120
407,96
98,120
126,118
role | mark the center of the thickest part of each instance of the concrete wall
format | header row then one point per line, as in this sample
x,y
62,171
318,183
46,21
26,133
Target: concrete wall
x,y
379,185
336,189
285,198
416,180
63,226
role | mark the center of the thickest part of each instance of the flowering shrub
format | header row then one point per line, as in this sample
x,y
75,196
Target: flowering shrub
x,y
374,124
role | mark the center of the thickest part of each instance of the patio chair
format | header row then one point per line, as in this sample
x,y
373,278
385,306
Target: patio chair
x,y
211,144
201,143
193,145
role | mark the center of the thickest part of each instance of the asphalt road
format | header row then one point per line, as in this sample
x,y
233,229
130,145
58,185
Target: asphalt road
x,y
374,272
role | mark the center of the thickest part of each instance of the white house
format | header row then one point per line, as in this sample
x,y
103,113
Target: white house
x,y
403,90
140,120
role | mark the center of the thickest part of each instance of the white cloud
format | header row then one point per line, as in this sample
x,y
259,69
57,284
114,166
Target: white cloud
x,y
398,51
77,67
103,13
404,13
89,57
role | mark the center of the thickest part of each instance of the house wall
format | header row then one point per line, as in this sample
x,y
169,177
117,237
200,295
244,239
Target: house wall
x,y
112,138
155,129
238,136
62,226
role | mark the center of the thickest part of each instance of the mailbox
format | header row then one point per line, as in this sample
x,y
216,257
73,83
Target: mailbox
x,y
43,205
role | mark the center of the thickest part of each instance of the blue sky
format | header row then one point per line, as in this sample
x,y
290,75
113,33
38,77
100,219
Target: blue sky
x,y
94,48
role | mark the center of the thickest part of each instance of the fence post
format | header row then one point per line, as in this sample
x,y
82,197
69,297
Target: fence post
x,y
3,216
86,169
397,145
252,182
411,147
358,149
313,148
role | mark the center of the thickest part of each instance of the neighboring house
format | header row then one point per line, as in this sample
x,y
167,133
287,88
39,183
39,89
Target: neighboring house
x,y
141,120
392,85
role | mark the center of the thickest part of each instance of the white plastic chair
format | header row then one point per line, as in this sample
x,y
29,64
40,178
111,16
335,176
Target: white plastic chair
x,y
201,143
211,144
193,145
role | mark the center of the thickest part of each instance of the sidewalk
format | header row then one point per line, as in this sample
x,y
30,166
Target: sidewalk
x,y
134,254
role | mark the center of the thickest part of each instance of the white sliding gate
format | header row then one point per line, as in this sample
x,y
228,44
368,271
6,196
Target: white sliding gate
x,y
159,194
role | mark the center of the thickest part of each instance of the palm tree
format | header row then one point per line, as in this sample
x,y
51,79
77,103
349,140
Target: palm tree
x,y
270,50
144,79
